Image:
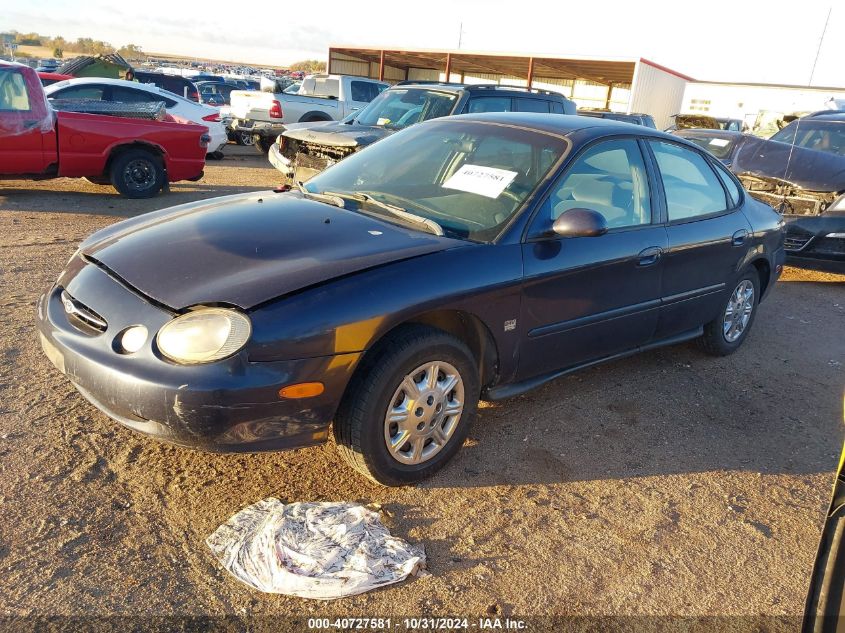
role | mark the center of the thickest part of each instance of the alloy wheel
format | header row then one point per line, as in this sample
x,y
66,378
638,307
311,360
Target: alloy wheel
x,y
738,311
424,412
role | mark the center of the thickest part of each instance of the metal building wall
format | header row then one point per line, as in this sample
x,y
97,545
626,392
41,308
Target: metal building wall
x,y
656,92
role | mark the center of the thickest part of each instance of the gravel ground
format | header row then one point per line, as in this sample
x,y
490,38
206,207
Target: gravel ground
x,y
668,484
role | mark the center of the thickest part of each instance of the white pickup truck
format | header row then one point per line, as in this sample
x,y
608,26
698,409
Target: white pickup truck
x,y
320,98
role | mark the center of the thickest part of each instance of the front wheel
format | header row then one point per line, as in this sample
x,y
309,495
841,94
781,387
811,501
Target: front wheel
x,y
262,144
137,173
724,334
409,407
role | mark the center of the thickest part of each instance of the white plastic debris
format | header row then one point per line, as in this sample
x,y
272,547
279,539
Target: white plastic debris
x,y
313,550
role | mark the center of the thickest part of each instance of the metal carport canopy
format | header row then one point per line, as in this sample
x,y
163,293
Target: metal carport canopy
x,y
609,72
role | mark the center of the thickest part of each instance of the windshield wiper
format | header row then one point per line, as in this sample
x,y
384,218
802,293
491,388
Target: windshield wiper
x,y
392,209
328,198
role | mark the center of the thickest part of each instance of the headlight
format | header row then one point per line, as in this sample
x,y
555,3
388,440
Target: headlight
x,y
204,335
838,204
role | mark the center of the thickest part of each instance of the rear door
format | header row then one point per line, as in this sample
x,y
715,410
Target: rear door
x,y
479,104
25,124
587,298
525,104
708,238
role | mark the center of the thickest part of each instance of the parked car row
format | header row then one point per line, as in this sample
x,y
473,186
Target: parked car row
x,y
800,171
138,156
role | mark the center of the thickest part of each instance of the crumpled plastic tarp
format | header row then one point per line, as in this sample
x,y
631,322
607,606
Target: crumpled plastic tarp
x,y
22,99
320,550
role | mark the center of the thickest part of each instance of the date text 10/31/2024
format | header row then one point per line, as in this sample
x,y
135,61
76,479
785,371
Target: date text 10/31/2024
x,y
417,624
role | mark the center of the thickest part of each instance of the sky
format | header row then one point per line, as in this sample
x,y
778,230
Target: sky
x,y
769,42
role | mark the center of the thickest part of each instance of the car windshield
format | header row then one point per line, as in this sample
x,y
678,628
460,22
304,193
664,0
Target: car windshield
x,y
399,108
822,137
468,177
718,146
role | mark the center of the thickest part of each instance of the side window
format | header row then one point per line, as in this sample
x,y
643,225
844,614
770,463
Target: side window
x,y
531,105
13,94
364,91
489,104
730,184
609,178
692,189
128,95
557,107
80,92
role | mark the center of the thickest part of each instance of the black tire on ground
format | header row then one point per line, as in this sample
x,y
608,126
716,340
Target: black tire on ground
x,y
137,173
215,156
261,144
359,425
714,340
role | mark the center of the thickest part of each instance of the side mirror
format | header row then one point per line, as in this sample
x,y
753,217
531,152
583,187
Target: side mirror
x,y
580,223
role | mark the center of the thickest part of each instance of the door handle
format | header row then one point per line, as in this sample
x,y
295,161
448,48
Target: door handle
x,y
649,256
738,238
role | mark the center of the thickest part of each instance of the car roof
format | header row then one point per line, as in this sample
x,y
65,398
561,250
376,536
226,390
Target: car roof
x,y
826,115
442,85
81,81
563,124
700,132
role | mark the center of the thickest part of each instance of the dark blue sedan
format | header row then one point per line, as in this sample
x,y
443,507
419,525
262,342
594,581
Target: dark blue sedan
x,y
465,257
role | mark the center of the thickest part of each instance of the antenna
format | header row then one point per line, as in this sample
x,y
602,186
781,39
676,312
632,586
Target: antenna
x,y
818,50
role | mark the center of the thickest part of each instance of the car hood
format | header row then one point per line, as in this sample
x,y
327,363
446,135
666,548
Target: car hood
x,y
245,250
806,168
339,134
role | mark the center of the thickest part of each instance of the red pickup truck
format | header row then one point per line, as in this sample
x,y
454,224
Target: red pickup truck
x,y
138,157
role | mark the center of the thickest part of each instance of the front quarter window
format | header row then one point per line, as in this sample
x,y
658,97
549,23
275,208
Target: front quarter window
x,y
469,177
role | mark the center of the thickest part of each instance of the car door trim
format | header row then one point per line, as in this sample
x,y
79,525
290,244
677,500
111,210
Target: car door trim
x,y
591,319
693,294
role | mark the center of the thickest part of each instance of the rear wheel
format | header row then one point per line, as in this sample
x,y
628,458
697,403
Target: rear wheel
x,y
244,138
724,334
408,409
137,173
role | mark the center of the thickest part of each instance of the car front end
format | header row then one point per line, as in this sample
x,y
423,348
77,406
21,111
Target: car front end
x,y
815,222
107,338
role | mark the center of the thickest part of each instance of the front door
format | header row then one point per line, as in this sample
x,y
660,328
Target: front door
x,y
24,123
587,298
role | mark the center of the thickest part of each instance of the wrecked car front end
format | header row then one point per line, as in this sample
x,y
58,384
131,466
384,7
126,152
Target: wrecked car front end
x,y
808,188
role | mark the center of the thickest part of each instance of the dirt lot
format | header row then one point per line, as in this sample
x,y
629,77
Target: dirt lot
x,y
669,484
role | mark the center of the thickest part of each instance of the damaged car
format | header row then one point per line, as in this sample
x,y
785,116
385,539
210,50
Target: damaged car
x,y
304,150
473,256
721,143
800,171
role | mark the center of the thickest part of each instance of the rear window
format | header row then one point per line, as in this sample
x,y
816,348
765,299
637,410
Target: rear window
x,y
719,147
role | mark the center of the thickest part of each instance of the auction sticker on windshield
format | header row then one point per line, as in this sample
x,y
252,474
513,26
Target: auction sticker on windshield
x,y
719,142
485,181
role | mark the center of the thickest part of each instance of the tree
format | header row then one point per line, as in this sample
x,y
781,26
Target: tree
x,y
58,53
309,66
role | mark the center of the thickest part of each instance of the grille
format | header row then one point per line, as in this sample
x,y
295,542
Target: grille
x,y
327,152
796,242
829,246
81,316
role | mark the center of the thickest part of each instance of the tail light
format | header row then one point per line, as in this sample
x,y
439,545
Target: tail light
x,y
205,140
276,110
212,118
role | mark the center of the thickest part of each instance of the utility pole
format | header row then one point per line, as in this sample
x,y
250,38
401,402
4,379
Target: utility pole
x,y
819,49
460,34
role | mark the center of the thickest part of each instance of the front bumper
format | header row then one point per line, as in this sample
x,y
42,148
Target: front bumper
x,y
232,405
816,242
280,161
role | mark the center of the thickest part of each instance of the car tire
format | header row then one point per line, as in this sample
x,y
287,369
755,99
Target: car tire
x,y
137,173
262,145
362,429
244,138
218,155
726,333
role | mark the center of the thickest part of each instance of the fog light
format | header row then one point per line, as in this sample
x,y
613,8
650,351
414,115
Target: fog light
x,y
133,339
